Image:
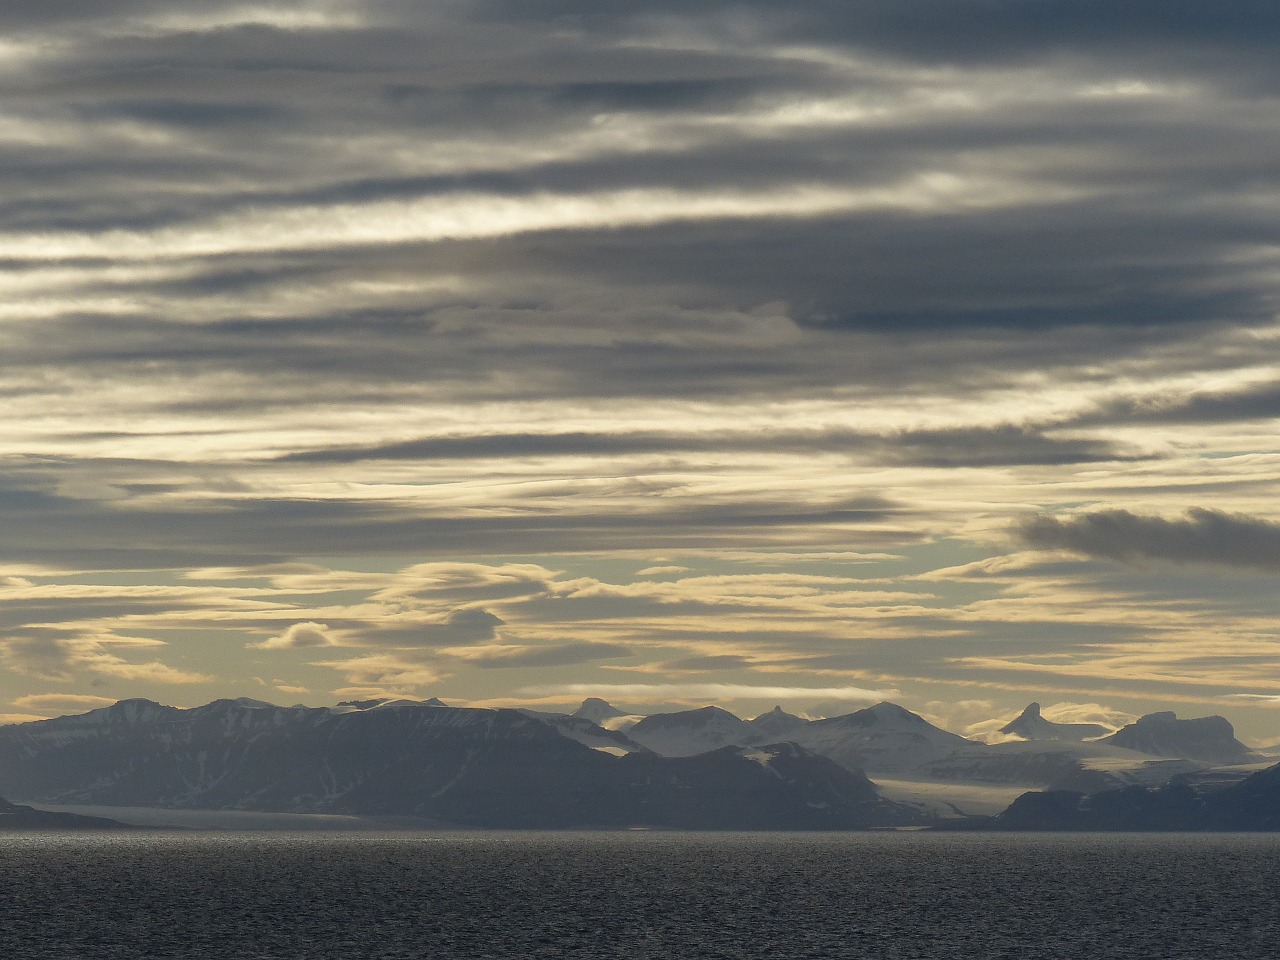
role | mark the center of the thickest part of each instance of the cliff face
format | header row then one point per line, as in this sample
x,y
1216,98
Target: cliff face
x,y
1211,739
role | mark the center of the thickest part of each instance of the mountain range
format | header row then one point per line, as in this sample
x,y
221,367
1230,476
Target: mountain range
x,y
452,766
601,767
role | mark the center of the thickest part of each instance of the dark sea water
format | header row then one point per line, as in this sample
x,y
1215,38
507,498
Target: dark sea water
x,y
650,895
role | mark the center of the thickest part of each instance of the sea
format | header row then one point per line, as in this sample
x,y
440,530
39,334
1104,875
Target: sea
x,y
642,895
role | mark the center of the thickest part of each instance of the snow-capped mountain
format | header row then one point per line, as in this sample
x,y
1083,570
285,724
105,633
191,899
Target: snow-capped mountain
x,y
690,732
1209,739
885,738
1030,725
590,734
777,724
598,711
523,768
606,715
462,766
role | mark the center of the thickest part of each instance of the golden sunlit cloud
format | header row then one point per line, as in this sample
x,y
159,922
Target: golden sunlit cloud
x,y
61,701
643,347
713,691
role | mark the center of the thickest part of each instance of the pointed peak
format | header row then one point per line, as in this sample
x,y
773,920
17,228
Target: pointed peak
x,y
1032,712
776,715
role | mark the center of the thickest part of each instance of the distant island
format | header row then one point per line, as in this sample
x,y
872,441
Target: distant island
x,y
882,767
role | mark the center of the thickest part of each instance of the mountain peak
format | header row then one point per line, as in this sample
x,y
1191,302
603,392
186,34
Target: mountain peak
x,y
689,732
888,712
777,724
1162,734
777,712
1031,725
597,710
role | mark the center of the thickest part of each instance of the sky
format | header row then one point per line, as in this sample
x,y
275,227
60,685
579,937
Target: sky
x,y
809,354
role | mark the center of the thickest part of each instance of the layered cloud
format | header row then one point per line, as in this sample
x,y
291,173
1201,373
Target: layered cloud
x,y
1201,536
373,346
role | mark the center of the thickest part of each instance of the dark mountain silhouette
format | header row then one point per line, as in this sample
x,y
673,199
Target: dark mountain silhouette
x,y
470,767
597,710
1252,804
16,818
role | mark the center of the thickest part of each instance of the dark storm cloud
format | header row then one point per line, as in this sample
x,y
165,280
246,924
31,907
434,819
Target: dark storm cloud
x,y
1201,536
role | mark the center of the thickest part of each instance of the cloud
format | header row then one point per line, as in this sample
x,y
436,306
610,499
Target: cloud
x,y
1200,536
957,446
44,658
1257,402
61,701
151,672
709,691
383,675
63,659
801,286
299,636
1068,712
552,655
988,730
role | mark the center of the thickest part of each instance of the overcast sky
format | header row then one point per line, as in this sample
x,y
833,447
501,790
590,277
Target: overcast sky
x,y
511,351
